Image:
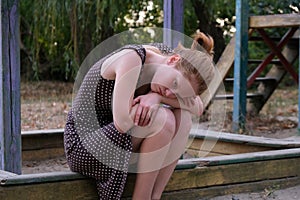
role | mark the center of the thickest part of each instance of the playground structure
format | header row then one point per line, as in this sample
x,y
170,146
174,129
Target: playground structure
x,y
226,167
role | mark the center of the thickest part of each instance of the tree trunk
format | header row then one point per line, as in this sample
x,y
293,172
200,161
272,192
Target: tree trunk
x,y
209,26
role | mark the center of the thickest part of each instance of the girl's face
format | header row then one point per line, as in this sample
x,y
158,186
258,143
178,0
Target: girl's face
x,y
171,83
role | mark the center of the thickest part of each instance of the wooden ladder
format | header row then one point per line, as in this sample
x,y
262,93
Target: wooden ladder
x,y
286,52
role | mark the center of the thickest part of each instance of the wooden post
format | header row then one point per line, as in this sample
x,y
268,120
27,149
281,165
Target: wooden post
x,y
173,22
240,65
10,123
299,85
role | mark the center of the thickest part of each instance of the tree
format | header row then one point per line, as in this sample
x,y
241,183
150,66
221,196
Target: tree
x,y
57,35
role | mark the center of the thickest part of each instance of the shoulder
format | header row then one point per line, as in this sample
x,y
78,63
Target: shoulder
x,y
122,61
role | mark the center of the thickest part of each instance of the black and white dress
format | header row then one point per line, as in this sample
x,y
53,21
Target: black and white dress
x,y
93,145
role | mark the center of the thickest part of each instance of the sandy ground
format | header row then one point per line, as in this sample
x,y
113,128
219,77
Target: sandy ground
x,y
292,193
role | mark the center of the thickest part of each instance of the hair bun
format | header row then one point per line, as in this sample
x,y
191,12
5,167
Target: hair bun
x,y
205,41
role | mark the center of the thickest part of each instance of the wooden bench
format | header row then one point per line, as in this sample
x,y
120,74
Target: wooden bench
x,y
240,163
205,177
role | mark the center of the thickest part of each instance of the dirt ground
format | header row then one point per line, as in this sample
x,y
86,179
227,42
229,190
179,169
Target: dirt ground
x,y
44,105
292,193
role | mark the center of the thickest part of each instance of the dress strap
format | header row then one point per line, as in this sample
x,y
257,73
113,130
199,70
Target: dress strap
x,y
141,51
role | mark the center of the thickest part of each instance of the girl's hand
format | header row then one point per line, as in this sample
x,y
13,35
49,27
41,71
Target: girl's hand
x,y
147,107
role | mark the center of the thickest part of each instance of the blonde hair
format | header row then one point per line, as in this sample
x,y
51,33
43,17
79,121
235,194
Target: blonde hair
x,y
196,63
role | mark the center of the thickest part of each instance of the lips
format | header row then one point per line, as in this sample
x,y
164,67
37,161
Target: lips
x,y
160,91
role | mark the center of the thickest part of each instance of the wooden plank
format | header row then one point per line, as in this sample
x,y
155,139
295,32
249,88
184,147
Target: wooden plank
x,y
234,173
41,185
272,21
43,154
41,178
215,191
42,144
44,131
223,148
10,106
42,140
231,96
243,157
67,190
245,139
240,63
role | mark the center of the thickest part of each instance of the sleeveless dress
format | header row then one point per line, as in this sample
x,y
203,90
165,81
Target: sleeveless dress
x,y
93,145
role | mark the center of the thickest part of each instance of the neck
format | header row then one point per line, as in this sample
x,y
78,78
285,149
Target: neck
x,y
152,63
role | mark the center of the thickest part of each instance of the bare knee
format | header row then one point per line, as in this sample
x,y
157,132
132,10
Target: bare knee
x,y
163,121
183,120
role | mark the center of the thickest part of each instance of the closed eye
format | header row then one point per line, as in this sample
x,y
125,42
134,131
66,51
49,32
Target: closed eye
x,y
175,84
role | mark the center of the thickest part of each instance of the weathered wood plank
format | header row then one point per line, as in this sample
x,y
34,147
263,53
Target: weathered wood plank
x,y
272,21
10,106
46,144
214,191
245,139
43,154
234,173
42,141
13,179
41,185
42,144
244,157
225,148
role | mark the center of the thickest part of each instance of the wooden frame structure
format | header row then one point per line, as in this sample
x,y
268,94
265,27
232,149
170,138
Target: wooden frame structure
x,y
207,176
10,106
271,161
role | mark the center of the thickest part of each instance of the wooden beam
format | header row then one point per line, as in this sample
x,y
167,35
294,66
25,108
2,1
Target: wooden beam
x,y
240,65
299,84
68,185
10,106
272,21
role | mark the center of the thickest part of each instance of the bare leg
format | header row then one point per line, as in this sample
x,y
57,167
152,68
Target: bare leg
x,y
153,150
183,126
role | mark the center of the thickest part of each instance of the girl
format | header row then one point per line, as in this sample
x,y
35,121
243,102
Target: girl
x,y
132,113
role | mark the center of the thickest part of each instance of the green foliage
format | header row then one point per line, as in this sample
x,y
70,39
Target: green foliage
x,y
57,35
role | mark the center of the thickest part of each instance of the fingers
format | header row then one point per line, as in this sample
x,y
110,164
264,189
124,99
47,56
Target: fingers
x,y
142,116
135,101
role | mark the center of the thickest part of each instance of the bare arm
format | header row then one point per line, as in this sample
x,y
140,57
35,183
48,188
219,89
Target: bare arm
x,y
147,105
125,67
192,104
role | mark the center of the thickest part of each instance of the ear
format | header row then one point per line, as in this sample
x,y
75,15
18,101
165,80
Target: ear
x,y
173,59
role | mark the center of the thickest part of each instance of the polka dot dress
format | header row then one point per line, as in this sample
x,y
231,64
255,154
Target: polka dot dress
x,y
93,145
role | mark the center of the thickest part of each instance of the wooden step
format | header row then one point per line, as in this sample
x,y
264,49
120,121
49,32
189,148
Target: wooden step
x,y
258,61
258,79
276,39
230,96
272,21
